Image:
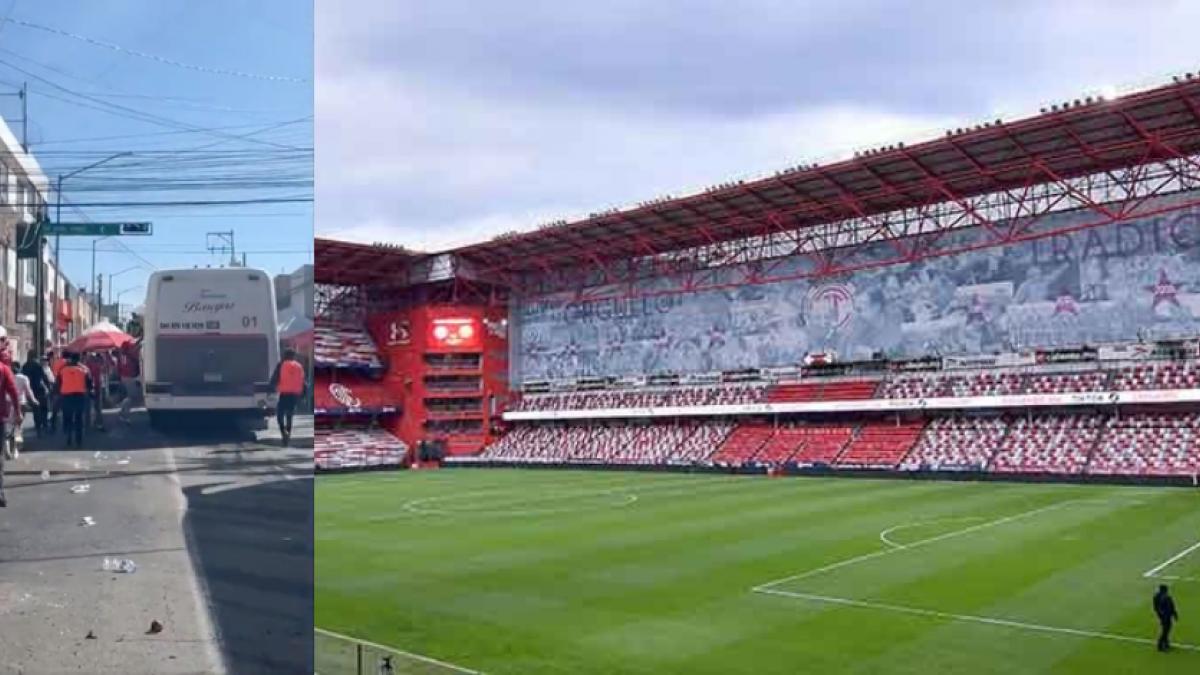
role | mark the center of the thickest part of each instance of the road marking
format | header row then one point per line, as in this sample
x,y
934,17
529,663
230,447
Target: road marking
x,y
917,544
1172,559
991,621
200,593
386,648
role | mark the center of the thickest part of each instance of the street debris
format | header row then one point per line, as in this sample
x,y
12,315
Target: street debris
x,y
122,565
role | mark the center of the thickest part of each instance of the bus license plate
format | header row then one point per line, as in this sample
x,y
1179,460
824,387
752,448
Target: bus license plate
x,y
213,377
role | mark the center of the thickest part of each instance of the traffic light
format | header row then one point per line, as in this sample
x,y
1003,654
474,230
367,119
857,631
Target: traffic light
x,y
135,228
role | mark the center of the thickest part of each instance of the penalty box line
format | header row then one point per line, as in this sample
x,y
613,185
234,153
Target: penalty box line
x,y
401,652
987,620
768,588
1154,572
908,547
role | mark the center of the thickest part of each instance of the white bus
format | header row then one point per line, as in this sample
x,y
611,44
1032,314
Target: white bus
x,y
211,341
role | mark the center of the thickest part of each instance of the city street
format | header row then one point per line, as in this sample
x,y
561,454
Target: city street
x,y
220,530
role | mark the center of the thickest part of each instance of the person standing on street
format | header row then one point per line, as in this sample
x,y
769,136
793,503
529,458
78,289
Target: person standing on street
x,y
95,367
40,385
129,369
1164,608
55,362
27,400
8,395
74,383
289,381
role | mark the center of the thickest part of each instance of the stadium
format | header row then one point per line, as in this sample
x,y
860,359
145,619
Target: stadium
x,y
934,407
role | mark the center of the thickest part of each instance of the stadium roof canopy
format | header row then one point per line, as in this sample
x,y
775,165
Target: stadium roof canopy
x,y
341,262
1069,141
1061,146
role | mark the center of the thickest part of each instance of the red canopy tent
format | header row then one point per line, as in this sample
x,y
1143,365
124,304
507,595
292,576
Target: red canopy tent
x,y
100,337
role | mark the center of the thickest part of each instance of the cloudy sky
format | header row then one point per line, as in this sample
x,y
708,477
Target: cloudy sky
x,y
443,123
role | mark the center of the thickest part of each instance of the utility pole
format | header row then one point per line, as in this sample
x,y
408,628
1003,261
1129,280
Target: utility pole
x,y
99,295
25,117
222,242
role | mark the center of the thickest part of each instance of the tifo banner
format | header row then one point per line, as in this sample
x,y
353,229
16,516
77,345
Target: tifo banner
x,y
1092,286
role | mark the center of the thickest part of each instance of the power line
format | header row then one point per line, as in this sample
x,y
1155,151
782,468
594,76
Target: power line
x,y
124,111
152,57
200,202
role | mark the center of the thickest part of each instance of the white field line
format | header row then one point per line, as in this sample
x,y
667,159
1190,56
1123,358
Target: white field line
x,y
418,505
917,544
417,657
1171,560
991,621
883,536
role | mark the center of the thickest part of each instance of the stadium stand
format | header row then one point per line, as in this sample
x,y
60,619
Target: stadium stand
x,y
822,445
1048,444
741,445
880,445
683,396
1149,445
701,439
835,390
356,447
1162,375
784,443
344,346
957,444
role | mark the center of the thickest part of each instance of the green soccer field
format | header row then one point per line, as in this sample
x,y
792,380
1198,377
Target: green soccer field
x,y
538,572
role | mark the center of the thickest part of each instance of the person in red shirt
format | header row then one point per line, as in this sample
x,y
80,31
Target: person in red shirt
x,y
129,370
9,414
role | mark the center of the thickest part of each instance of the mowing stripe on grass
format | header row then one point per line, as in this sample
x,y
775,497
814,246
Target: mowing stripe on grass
x,y
991,621
1172,560
941,537
416,657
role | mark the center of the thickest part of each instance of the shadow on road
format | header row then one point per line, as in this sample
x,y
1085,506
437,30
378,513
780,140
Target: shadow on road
x,y
253,551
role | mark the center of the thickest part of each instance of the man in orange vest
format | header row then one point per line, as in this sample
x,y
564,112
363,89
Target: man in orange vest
x,y
73,384
289,381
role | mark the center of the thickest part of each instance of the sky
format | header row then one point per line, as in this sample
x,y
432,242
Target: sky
x,y
177,83
445,123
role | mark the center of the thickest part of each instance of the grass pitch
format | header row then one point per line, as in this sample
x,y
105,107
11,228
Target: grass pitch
x,y
538,572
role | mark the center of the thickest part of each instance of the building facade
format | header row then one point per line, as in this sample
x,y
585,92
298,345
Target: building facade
x,y
24,193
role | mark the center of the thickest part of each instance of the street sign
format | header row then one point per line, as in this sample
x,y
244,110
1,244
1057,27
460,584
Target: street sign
x,y
96,229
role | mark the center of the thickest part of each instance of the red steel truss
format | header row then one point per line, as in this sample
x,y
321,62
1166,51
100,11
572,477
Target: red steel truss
x,y
1003,178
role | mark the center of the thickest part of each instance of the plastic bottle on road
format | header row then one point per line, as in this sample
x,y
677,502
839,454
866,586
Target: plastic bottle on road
x,y
123,565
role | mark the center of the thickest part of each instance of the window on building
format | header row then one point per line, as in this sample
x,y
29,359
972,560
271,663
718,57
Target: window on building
x,y
3,183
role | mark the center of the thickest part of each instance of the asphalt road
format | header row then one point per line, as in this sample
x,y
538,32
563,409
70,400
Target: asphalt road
x,y
220,529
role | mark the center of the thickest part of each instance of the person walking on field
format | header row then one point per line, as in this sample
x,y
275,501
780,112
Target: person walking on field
x,y
8,397
74,383
289,381
1164,608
